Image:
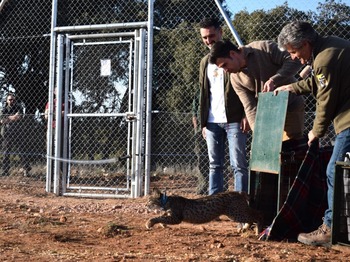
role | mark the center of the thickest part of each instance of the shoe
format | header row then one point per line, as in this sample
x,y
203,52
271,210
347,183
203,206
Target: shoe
x,y
319,237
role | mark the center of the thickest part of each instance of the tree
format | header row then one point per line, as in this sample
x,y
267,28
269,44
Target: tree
x,y
333,18
182,71
178,51
265,25
24,51
171,13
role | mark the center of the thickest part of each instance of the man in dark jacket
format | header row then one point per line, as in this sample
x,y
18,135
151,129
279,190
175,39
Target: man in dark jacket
x,y
330,84
11,117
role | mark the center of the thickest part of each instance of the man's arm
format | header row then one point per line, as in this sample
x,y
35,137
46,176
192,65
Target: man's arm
x,y
288,67
248,100
11,118
195,109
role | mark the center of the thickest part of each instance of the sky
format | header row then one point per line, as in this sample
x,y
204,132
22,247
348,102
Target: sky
x,y
250,5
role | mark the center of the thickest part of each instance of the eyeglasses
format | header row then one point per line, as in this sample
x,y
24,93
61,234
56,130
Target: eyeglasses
x,y
11,100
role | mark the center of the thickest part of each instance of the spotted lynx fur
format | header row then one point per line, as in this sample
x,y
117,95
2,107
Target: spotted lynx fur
x,y
205,209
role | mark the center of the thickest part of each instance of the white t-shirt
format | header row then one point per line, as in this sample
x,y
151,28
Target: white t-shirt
x,y
217,112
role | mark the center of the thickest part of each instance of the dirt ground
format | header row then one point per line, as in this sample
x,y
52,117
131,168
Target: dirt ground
x,y
37,226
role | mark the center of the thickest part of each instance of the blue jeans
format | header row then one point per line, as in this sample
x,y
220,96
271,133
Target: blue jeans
x,y
341,146
215,136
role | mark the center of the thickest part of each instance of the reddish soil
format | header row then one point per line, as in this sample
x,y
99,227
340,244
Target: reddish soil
x,y
36,226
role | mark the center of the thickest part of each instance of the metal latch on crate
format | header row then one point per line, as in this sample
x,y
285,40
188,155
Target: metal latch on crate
x,y
347,157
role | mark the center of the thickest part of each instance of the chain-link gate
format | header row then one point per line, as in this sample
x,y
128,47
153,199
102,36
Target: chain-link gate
x,y
98,148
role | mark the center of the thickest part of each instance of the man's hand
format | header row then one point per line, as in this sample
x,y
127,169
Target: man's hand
x,y
269,86
245,127
194,122
306,72
283,88
311,137
46,114
203,133
15,117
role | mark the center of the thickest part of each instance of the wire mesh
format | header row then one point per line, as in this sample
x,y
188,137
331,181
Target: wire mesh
x,y
176,161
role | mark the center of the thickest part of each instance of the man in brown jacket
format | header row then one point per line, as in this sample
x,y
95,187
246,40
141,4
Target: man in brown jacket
x,y
330,84
260,67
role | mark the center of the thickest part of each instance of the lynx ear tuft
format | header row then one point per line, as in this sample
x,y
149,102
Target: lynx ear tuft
x,y
155,192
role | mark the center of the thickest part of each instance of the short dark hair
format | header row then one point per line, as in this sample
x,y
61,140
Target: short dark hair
x,y
10,94
221,49
207,22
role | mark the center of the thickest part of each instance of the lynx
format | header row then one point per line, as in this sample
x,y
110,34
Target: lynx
x,y
205,209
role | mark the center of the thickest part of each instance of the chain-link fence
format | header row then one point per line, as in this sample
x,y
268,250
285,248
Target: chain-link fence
x,y
114,134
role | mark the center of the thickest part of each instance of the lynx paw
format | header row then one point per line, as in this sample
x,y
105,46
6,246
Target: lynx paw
x,y
149,224
242,227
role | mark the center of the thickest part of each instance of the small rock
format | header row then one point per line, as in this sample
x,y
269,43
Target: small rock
x,y
63,219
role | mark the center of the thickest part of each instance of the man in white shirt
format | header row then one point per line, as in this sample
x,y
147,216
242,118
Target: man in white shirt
x,y
221,117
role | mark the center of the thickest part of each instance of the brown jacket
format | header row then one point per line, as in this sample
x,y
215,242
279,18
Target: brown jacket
x,y
264,61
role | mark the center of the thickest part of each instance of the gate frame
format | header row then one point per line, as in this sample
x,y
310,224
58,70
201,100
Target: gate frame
x,y
56,72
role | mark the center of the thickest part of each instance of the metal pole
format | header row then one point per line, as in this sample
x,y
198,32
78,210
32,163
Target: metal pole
x,y
135,110
66,102
2,4
51,87
140,113
80,28
104,35
70,110
229,23
149,97
130,109
58,114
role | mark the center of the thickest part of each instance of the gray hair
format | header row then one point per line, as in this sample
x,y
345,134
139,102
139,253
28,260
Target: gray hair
x,y
295,33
